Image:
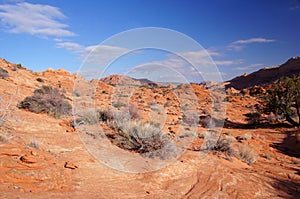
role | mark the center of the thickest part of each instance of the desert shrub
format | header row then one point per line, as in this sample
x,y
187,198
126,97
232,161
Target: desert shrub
x,y
155,108
5,106
228,133
40,80
206,121
247,154
141,137
267,156
133,111
118,104
19,66
151,104
284,100
190,118
253,117
167,104
185,107
130,134
90,117
47,100
3,73
105,115
203,135
76,94
244,137
4,136
224,145
34,144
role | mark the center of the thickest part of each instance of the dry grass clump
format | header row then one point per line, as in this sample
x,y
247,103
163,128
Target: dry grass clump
x,y
4,136
142,137
87,117
246,136
6,100
118,104
34,144
130,133
47,100
225,145
247,154
203,134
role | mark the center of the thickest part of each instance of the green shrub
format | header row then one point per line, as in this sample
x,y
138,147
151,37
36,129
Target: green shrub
x,y
40,80
284,100
19,66
253,118
47,100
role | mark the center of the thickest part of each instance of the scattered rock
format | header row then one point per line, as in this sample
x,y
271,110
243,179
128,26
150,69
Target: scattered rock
x,y
29,159
70,165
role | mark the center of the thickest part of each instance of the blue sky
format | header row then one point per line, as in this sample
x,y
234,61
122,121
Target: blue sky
x,y
240,36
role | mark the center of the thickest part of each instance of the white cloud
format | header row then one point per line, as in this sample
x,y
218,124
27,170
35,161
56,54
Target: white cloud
x,y
240,44
195,66
227,62
71,46
249,67
34,19
103,54
97,54
253,40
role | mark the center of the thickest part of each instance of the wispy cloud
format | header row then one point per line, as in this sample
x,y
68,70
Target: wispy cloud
x,y
191,66
228,62
249,67
70,46
240,44
34,19
97,54
253,40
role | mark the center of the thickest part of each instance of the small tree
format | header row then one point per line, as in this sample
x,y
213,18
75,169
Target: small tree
x,y
284,100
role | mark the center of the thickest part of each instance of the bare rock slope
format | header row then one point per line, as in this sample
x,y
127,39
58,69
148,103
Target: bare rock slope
x,y
267,75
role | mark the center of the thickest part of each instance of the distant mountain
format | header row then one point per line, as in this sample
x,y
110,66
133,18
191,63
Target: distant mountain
x,y
266,75
121,79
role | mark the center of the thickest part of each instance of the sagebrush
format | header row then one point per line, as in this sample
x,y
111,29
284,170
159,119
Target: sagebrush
x,y
131,133
47,100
